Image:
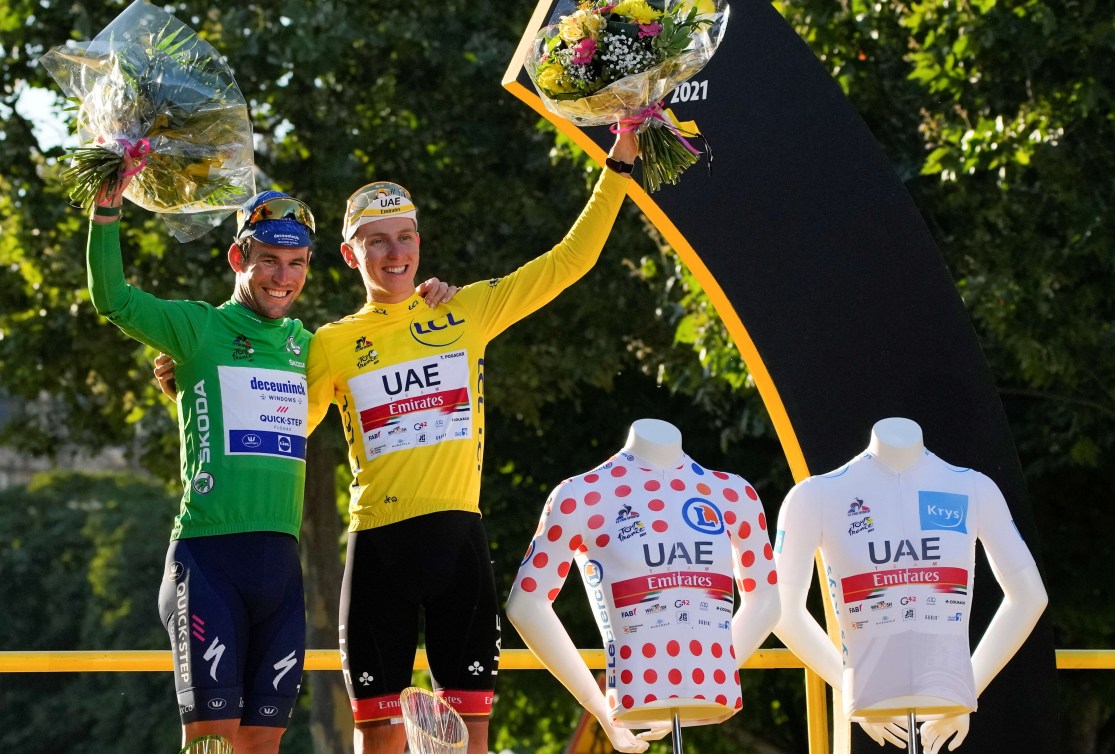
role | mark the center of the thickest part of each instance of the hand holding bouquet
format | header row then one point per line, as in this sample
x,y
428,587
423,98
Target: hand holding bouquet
x,y
616,61
149,87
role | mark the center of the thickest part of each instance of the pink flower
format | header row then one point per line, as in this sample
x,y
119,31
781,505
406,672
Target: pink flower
x,y
583,51
653,29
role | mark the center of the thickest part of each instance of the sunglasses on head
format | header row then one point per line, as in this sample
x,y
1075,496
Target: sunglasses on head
x,y
279,208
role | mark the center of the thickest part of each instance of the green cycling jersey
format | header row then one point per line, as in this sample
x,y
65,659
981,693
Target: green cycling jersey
x,y
242,398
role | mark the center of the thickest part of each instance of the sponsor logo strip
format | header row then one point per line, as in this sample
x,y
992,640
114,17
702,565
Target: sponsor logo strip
x,y
629,592
865,586
445,402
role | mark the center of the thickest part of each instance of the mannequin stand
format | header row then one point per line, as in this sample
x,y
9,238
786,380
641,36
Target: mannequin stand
x,y
677,732
911,731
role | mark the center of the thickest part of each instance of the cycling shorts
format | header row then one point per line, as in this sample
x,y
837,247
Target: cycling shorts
x,y
234,609
434,568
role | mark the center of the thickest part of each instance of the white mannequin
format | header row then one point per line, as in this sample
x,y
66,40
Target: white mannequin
x,y
897,444
658,445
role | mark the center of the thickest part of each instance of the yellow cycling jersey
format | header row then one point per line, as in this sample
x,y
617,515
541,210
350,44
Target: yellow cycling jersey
x,y
409,381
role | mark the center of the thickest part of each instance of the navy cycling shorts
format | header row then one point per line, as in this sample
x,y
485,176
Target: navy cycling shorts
x,y
434,569
235,613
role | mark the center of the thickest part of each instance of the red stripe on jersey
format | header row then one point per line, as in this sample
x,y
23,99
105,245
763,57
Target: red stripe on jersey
x,y
377,708
643,588
468,702
863,585
445,401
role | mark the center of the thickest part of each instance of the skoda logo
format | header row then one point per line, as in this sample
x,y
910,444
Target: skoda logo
x,y
203,483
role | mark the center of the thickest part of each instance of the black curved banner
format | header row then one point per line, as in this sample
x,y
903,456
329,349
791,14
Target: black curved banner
x,y
829,282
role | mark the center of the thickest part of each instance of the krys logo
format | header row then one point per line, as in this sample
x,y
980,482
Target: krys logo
x,y
442,331
944,511
703,516
594,573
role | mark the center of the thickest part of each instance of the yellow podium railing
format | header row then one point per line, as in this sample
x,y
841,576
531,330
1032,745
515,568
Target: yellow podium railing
x,y
127,661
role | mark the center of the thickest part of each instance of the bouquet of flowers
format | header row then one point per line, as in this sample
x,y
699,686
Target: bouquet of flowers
x,y
147,85
609,61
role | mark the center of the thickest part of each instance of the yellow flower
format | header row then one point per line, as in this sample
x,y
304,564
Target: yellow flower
x,y
594,24
572,27
638,11
549,79
704,7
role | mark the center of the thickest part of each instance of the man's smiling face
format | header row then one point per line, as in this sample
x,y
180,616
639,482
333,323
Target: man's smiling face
x,y
269,278
386,253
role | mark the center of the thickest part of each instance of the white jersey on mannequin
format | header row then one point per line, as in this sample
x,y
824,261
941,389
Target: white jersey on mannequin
x,y
659,541
897,528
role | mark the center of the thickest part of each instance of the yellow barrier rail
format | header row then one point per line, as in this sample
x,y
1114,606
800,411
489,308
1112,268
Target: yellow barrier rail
x,y
129,661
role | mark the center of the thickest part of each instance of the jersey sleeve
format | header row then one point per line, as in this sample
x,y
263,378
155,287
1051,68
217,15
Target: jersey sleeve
x,y
557,540
753,555
798,536
319,383
997,532
504,301
174,327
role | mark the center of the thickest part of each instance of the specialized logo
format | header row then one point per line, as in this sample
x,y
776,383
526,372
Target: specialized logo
x,y
293,347
215,652
593,573
283,666
242,348
203,483
442,331
857,507
703,516
945,511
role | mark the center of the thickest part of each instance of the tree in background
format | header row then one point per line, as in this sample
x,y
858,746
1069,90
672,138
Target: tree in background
x,y
997,115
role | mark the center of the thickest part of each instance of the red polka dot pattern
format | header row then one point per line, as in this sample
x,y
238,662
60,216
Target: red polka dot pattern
x,y
604,517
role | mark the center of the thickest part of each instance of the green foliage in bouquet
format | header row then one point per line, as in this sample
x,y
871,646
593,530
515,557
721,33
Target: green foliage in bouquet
x,y
175,88
149,86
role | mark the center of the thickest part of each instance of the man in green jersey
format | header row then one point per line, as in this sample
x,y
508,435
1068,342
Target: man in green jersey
x,y
231,595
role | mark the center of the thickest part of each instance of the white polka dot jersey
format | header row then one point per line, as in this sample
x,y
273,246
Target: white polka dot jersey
x,y
659,551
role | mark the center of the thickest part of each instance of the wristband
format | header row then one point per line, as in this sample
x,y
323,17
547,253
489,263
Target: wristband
x,y
623,168
106,211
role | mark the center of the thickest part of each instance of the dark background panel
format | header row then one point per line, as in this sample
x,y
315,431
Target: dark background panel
x,y
837,280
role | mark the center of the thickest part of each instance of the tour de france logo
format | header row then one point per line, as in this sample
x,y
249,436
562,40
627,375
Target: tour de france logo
x,y
703,516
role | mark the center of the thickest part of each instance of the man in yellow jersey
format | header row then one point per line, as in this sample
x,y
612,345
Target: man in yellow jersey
x,y
409,383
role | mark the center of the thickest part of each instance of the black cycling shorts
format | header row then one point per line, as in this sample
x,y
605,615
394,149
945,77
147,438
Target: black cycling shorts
x,y
234,609
435,566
